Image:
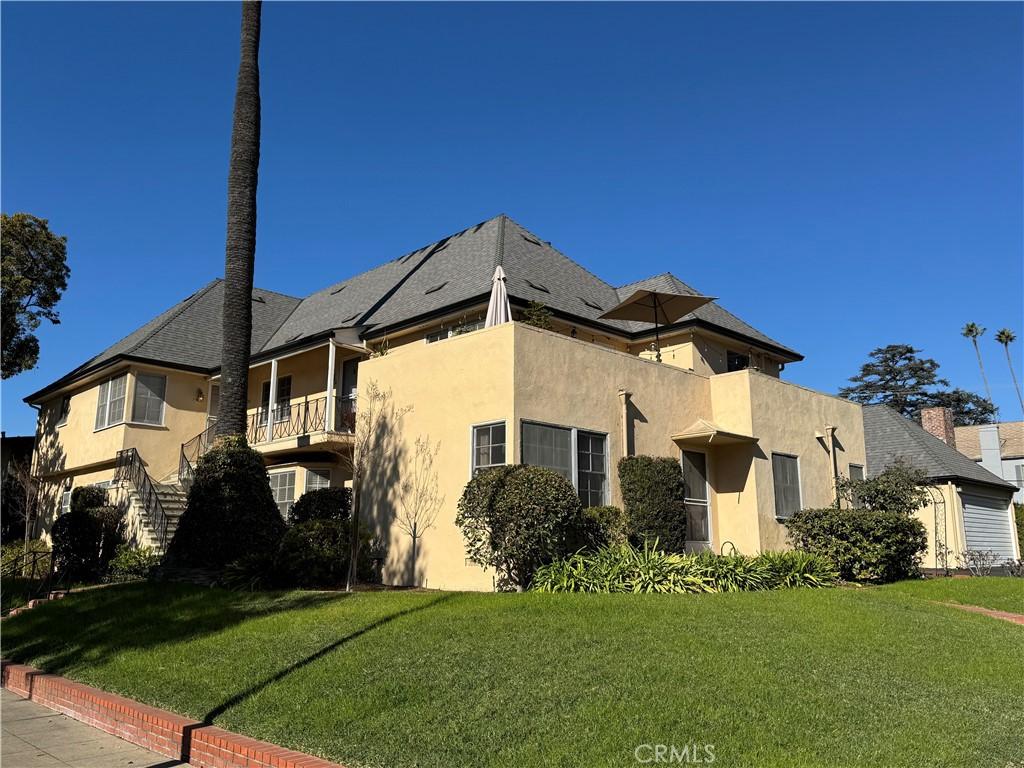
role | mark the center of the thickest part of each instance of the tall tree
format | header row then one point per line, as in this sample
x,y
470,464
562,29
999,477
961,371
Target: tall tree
x,y
240,251
34,275
896,376
1006,337
973,331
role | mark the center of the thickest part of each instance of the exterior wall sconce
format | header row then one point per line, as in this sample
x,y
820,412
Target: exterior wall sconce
x,y
200,395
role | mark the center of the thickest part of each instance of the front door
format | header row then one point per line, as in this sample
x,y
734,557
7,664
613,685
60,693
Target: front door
x,y
698,509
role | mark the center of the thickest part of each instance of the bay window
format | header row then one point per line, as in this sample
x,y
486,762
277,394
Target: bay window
x,y
110,405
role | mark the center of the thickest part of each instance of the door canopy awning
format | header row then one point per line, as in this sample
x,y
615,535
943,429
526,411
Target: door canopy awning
x,y
704,432
658,307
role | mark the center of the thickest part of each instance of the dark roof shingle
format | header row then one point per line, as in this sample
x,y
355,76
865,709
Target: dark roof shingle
x,y
888,438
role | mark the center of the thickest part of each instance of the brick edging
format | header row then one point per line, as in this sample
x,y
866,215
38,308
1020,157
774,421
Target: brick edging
x,y
163,732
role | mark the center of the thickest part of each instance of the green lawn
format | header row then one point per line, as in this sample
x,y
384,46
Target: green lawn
x,y
15,592
842,677
1001,594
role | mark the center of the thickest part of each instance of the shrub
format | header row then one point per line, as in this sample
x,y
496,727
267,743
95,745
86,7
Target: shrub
x,y
314,554
900,488
322,504
77,538
627,568
230,511
86,538
863,544
250,573
652,495
11,558
798,569
87,497
602,526
131,563
517,518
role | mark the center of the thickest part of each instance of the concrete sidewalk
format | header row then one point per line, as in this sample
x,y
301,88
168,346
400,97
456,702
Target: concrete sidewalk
x,y
36,737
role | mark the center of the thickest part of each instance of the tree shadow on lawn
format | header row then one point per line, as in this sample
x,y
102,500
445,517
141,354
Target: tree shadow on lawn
x,y
248,693
91,626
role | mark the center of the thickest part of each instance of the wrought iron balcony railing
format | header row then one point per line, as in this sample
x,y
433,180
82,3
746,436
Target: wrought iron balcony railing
x,y
301,417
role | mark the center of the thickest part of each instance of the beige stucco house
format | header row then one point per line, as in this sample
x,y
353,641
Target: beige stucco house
x,y
576,398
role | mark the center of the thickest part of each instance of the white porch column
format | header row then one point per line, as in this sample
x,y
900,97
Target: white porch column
x,y
272,405
329,424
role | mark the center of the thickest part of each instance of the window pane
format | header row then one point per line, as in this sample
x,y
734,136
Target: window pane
x,y
488,446
115,412
147,407
695,475
317,478
283,486
590,468
101,405
550,447
786,477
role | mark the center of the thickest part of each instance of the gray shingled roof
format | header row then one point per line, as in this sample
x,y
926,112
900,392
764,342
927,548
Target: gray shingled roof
x,y
189,333
454,271
458,269
888,437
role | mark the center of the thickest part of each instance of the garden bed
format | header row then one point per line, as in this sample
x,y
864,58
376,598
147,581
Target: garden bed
x,y
866,676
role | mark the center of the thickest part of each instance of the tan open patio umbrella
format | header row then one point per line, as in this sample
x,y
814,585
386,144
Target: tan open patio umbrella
x,y
658,307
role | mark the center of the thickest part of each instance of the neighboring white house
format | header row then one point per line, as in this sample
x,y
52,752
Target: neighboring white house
x,y
999,448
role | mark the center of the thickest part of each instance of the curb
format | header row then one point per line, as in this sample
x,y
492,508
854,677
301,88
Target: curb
x,y
160,731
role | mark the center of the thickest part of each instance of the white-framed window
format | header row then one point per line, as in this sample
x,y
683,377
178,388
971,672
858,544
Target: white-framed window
x,y
282,484
581,457
786,478
317,479
488,446
65,501
148,403
591,468
110,404
857,472
283,397
64,410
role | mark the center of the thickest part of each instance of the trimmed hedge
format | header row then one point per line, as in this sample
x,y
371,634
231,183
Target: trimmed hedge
x,y
864,544
517,518
230,512
322,504
652,495
86,538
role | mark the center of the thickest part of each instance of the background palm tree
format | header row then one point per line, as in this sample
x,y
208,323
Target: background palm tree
x,y
240,251
1006,337
973,331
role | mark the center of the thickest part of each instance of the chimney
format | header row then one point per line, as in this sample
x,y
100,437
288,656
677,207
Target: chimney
x,y
939,422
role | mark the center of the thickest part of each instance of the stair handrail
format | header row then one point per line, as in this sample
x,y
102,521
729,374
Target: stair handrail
x,y
190,453
128,467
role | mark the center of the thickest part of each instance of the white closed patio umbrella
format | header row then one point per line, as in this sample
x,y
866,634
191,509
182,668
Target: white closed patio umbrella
x,y
498,309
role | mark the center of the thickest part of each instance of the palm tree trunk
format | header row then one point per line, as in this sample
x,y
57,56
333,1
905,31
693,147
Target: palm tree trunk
x,y
1013,375
240,250
981,365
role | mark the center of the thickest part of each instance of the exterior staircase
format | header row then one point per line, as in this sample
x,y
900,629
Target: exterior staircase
x,y
152,509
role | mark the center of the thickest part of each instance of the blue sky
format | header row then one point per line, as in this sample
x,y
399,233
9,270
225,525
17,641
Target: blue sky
x,y
843,176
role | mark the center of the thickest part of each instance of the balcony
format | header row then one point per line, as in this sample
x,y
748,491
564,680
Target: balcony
x,y
302,417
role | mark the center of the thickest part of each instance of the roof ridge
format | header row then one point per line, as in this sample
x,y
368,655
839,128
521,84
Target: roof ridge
x,y
383,264
276,293
185,303
564,256
499,244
